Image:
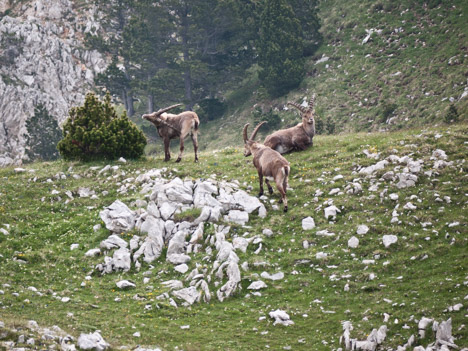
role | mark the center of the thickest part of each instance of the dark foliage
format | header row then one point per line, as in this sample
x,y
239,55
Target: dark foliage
x,y
273,119
452,114
211,109
94,131
43,135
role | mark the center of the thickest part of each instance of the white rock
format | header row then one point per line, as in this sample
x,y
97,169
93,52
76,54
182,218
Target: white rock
x,y
409,206
281,317
93,252
276,276
240,243
331,211
74,246
308,223
257,285
267,232
236,216
118,217
388,240
112,242
190,294
353,242
321,255
362,229
439,154
181,268
92,341
324,232
125,284
393,196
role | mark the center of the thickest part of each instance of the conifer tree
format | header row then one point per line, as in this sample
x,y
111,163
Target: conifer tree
x,y
43,135
95,131
280,48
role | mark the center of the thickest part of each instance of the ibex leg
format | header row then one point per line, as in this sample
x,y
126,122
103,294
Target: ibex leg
x,y
195,145
260,179
282,190
167,153
270,189
181,149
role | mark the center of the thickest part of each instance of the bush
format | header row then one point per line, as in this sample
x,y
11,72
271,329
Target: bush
x,y
211,109
319,126
387,111
43,135
94,131
452,114
273,120
330,126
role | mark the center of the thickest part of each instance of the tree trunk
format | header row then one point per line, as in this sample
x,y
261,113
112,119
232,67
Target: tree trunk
x,y
150,103
129,104
185,51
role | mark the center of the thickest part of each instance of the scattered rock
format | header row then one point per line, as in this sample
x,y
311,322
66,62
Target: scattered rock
x,y
281,317
388,240
353,242
257,285
123,284
362,229
308,223
92,341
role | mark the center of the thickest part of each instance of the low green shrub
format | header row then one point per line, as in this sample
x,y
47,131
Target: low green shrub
x,y
94,131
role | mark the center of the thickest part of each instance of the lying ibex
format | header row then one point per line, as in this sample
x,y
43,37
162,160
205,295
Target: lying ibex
x,y
296,138
172,126
269,163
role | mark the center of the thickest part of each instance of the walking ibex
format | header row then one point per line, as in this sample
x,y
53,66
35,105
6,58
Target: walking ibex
x,y
296,138
172,126
269,163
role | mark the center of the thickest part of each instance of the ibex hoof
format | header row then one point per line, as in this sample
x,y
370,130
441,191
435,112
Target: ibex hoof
x,y
260,194
166,159
270,191
285,209
178,160
196,160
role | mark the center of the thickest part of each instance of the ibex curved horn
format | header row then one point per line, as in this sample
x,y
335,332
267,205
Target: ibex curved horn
x,y
254,133
162,110
312,102
244,132
299,107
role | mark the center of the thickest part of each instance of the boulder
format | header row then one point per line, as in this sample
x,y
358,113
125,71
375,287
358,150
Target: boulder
x,y
92,341
112,242
281,317
189,295
388,240
118,218
237,216
308,223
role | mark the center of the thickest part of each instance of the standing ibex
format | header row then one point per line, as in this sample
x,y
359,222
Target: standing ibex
x,y
269,163
172,126
298,137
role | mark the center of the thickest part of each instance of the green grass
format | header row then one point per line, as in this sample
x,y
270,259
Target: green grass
x,y
42,228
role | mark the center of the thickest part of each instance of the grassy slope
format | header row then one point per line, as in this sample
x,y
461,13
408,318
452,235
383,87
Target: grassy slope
x,y
358,81
42,231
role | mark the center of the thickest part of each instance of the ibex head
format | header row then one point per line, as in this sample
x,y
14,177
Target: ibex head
x,y
248,142
307,113
157,116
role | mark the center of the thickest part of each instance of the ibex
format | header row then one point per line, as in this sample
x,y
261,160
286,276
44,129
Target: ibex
x,y
296,138
172,126
269,163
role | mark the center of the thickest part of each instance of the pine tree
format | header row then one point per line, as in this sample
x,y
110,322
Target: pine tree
x,y
43,135
95,131
280,48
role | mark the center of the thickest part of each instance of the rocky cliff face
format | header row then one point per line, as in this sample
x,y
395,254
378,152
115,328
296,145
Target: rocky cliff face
x,y
42,61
